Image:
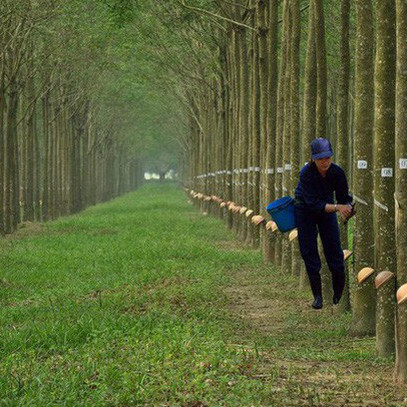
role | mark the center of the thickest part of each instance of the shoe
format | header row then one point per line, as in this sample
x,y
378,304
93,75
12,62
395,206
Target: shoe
x,y
317,304
336,300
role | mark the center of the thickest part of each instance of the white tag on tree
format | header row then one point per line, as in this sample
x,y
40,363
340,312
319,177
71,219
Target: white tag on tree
x,y
387,172
403,163
362,165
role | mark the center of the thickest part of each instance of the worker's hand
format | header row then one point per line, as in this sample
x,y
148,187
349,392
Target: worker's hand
x,y
345,211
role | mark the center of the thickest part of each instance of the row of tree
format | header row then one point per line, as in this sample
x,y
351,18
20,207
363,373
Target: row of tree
x,y
280,74
72,130
91,91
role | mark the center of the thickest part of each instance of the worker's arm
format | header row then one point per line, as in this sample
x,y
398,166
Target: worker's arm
x,y
344,210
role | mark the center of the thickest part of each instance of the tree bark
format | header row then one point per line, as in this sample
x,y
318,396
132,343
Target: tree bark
x,y
255,113
321,115
12,185
280,128
310,89
271,115
286,179
384,133
364,296
401,188
342,127
295,155
2,150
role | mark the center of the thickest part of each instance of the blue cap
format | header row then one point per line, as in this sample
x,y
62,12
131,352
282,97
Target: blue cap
x,y
321,148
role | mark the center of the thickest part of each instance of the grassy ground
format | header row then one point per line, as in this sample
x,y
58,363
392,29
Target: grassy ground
x,y
144,301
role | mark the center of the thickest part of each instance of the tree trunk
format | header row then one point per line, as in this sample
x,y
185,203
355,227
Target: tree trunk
x,y
244,101
385,70
12,186
364,297
264,137
309,104
295,118
46,141
385,318
286,181
255,112
2,150
321,113
310,89
401,188
280,129
342,127
321,69
30,157
271,115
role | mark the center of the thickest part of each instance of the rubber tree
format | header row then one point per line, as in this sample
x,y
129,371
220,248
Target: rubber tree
x,y
255,128
244,101
262,29
343,123
15,32
286,179
2,117
30,181
295,155
401,188
234,69
279,170
310,89
229,122
321,69
384,133
364,296
320,113
271,115
309,103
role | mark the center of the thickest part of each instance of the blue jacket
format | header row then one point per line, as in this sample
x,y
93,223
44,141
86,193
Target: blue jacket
x,y
314,191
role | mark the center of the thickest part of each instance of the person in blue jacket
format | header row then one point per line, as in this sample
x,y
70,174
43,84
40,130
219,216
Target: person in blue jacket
x,y
315,212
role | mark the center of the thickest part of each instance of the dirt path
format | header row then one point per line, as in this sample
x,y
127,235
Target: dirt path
x,y
304,355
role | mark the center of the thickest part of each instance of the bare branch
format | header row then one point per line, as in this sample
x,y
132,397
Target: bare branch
x,y
200,10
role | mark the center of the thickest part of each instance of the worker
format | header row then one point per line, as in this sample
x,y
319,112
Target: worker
x,y
315,211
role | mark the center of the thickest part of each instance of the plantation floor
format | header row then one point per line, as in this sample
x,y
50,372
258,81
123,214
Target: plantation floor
x,y
144,301
304,355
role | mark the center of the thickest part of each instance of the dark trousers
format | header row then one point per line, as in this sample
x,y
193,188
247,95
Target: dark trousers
x,y
308,225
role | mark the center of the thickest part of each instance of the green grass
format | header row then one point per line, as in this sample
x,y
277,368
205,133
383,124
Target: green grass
x,y
127,304
121,305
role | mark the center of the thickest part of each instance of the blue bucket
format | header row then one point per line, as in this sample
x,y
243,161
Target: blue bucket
x,y
282,212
